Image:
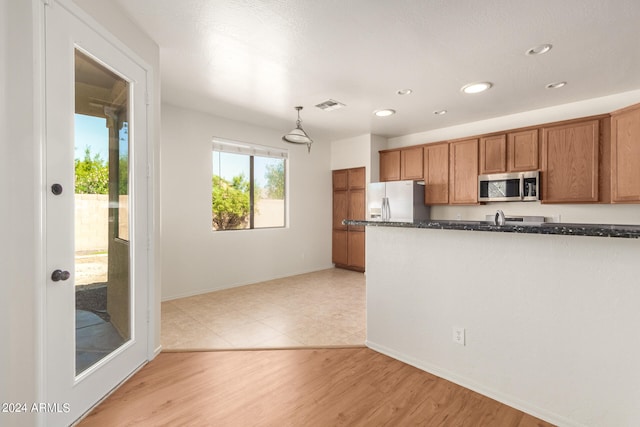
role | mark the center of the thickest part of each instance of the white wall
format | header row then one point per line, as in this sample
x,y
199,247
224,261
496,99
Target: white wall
x,y
195,258
352,153
551,321
377,143
21,171
357,152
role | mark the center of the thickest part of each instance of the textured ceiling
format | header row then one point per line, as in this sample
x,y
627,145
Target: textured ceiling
x,y
254,60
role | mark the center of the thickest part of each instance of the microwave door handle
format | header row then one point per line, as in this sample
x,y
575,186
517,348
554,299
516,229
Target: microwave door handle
x,y
521,187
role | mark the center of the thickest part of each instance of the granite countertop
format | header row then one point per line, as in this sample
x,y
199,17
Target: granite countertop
x,y
567,229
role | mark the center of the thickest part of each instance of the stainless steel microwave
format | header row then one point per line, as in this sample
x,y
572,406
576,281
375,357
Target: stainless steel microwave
x,y
507,187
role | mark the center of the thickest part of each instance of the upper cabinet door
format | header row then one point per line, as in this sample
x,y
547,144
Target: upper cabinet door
x,y
357,179
436,174
570,163
463,172
625,156
411,163
522,151
390,165
340,180
493,154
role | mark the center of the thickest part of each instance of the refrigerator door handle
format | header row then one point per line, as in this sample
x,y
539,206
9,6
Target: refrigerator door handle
x,y
386,210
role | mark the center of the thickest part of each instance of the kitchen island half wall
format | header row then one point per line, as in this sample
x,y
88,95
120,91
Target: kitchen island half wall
x,y
551,321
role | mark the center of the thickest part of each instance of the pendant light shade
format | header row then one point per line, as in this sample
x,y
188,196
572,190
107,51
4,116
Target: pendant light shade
x,y
298,135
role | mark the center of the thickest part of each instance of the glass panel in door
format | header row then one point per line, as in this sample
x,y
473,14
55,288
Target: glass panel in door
x,y
102,255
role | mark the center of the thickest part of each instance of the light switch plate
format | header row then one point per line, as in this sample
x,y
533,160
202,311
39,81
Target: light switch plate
x,y
459,335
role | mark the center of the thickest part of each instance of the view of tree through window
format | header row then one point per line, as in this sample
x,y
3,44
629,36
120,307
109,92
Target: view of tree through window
x,y
248,191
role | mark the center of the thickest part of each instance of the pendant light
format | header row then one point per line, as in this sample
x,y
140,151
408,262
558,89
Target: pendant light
x,y
298,135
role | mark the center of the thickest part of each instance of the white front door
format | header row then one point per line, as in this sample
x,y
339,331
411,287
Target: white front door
x,y
97,218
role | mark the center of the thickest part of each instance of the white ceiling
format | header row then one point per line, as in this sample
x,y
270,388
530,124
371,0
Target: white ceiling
x,y
254,60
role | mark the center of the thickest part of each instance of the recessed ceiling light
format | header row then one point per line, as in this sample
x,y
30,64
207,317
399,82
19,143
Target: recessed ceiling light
x,y
539,50
476,87
440,112
384,113
404,91
556,85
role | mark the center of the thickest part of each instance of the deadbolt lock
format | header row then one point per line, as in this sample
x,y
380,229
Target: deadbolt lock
x,y
56,189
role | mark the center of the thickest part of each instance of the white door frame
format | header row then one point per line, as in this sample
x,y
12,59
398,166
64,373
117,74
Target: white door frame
x,y
150,214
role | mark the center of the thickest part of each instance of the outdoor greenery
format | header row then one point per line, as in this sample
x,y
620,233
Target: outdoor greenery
x,y
230,202
92,174
275,180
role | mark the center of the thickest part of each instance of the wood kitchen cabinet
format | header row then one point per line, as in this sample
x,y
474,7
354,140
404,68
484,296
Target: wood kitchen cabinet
x,y
570,162
463,172
511,152
522,151
411,163
405,163
390,165
625,155
436,174
493,154
349,199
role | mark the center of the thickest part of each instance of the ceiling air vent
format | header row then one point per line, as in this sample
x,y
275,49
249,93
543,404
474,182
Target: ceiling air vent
x,y
330,105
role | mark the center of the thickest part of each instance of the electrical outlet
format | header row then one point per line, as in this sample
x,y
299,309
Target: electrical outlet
x,y
458,335
458,216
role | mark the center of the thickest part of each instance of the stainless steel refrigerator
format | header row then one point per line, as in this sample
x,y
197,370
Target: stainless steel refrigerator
x,y
396,201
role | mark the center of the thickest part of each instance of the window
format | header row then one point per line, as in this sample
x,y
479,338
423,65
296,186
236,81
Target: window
x,y
248,186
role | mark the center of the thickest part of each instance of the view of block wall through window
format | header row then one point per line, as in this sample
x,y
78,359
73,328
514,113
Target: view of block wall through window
x,y
248,186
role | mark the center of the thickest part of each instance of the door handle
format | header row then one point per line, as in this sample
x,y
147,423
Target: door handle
x,y
58,275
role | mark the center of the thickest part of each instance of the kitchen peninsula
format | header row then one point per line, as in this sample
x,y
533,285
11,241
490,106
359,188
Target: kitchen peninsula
x,y
548,314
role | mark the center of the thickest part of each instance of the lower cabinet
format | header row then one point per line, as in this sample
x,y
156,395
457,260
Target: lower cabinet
x,y
355,247
340,250
348,249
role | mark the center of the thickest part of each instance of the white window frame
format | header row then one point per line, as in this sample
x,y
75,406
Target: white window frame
x,y
238,147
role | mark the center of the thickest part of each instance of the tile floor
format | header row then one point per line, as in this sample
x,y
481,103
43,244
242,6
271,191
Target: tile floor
x,y
320,309
95,339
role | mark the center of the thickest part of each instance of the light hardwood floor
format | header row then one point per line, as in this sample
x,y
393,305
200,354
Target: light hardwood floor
x,y
324,308
321,387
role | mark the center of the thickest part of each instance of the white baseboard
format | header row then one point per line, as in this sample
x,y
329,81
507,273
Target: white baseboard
x,y
512,401
156,352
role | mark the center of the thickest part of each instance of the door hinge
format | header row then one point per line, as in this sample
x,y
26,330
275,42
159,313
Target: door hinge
x,y
46,2
147,98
